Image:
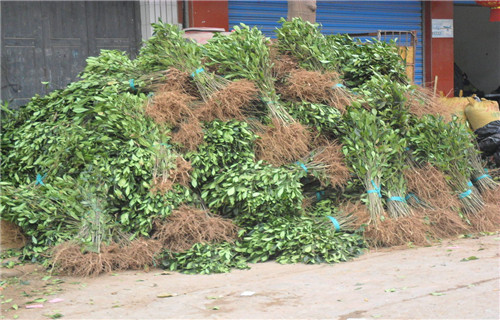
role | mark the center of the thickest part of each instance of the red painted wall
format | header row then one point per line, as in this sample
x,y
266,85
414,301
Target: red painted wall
x,y
439,56
209,14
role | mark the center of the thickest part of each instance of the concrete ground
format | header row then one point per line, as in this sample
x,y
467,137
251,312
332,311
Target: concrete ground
x,y
457,279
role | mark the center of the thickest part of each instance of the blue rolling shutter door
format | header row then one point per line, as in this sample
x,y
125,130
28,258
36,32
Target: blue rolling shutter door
x,y
340,17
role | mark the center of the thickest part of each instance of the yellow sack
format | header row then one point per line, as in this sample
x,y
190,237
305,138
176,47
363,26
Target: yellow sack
x,y
450,107
481,113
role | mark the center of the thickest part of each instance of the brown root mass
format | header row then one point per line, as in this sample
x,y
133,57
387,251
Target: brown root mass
x,y
138,254
178,81
444,223
430,186
358,211
312,86
398,231
488,219
189,134
229,102
283,65
316,87
331,156
282,144
187,226
423,101
68,258
11,236
170,107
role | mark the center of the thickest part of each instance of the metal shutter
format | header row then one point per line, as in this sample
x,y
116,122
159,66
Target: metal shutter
x,y
340,17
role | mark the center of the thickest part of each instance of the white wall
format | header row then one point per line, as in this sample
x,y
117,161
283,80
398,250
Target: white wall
x,y
477,46
151,10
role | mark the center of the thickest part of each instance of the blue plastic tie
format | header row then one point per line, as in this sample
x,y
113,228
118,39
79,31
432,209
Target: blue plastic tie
x,y
150,94
335,222
376,190
412,195
470,184
319,194
302,165
465,194
481,177
339,85
39,179
131,83
397,199
199,70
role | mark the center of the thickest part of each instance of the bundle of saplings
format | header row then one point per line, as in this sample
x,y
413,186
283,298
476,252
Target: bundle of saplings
x,y
204,158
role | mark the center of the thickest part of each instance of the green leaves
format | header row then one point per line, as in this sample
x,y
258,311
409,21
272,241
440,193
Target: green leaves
x,y
205,259
298,240
307,44
168,48
254,192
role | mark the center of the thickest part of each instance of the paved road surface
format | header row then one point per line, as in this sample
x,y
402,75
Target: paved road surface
x,y
424,283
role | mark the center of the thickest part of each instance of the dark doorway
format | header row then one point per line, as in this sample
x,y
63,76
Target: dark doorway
x,y
48,41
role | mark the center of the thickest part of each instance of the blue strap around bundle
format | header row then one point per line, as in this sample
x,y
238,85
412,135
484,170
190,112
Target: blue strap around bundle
x,y
465,194
39,179
397,199
470,184
335,222
319,194
199,70
302,165
412,195
339,85
481,177
131,83
376,190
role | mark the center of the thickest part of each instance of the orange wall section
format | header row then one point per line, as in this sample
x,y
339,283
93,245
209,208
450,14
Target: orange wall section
x,y
438,51
212,14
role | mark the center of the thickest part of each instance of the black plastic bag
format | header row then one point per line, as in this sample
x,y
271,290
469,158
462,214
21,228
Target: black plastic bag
x,y
488,139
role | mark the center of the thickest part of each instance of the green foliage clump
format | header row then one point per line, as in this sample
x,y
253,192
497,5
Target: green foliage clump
x,y
110,63
225,144
168,48
304,40
299,240
363,60
323,118
255,192
204,259
245,53
93,123
47,214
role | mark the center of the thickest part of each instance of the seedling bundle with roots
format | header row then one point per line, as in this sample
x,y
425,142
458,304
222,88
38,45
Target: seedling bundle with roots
x,y
328,163
422,101
398,231
187,226
480,176
316,87
428,188
167,80
231,102
170,107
